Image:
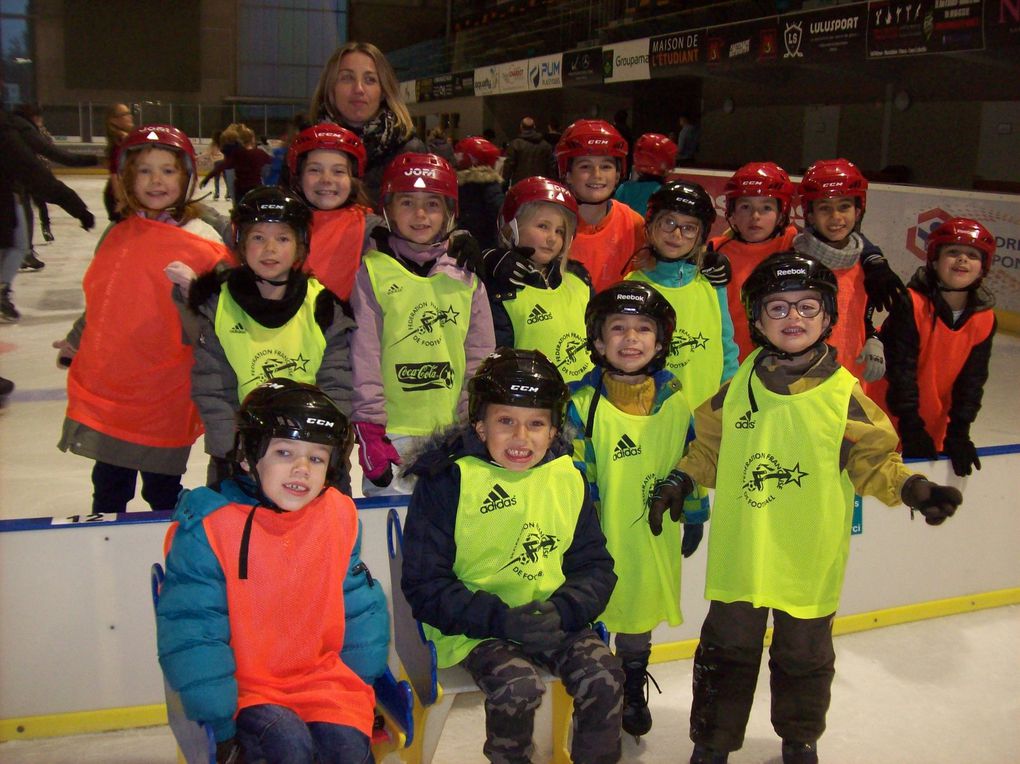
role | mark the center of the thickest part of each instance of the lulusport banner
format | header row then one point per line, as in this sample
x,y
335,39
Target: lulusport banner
x,y
900,218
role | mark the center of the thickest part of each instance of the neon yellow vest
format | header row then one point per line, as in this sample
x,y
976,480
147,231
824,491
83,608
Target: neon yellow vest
x,y
781,522
696,352
511,535
552,320
424,328
256,352
632,453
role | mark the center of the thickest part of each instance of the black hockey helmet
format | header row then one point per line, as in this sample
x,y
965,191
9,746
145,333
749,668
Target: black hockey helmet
x,y
787,272
632,298
515,377
271,204
283,408
685,198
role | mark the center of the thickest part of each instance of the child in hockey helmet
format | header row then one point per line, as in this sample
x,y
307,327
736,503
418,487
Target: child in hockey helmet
x,y
654,156
155,172
629,327
759,197
326,163
419,193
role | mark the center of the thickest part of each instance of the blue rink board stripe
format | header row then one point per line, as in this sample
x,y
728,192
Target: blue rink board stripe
x,y
38,395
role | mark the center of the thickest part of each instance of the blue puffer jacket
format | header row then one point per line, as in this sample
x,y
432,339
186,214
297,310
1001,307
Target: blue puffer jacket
x,y
195,652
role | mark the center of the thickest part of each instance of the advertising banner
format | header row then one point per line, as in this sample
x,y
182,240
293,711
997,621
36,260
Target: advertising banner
x,y
545,72
513,77
625,61
747,44
924,26
672,55
463,84
409,91
486,80
582,67
1002,23
834,34
900,218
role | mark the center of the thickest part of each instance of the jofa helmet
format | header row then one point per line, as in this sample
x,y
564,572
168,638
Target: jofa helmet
x,y
327,137
634,298
538,189
515,377
654,154
762,179
475,151
829,178
685,198
590,137
283,408
271,204
430,173
787,272
162,137
962,231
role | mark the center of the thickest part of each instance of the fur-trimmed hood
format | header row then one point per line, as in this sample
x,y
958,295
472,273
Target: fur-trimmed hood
x,y
478,174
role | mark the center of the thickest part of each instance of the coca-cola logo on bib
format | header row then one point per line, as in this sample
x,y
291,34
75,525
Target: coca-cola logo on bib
x,y
433,375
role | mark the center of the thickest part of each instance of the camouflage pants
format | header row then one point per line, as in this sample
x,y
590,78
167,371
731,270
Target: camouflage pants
x,y
513,689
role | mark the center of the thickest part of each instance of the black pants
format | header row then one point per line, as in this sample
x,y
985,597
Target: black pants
x,y
113,487
801,662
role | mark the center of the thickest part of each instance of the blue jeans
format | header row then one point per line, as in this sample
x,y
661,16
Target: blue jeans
x,y
277,735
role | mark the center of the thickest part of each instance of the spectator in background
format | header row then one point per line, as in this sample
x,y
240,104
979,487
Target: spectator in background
x,y
528,155
480,189
246,161
120,121
688,139
440,145
358,89
623,128
210,157
552,132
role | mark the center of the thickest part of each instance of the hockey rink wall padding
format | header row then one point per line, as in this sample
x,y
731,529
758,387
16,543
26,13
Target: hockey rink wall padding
x,y
77,632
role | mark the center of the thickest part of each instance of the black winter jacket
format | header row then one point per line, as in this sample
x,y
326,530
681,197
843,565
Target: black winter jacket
x,y
434,592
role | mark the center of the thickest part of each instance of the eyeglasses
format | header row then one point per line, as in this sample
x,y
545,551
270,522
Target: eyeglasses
x,y
809,307
687,230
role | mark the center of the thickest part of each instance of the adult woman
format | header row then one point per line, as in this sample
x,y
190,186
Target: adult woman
x,y
359,90
119,123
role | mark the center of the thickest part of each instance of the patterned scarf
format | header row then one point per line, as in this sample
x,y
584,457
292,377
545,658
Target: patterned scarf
x,y
836,259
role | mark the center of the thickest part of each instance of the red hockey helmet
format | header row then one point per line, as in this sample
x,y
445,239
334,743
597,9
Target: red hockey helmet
x,y
828,178
475,151
963,231
537,189
654,154
761,179
164,137
430,173
328,137
590,137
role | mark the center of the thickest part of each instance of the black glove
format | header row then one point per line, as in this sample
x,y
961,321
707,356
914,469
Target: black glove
x,y
715,267
87,220
509,266
535,625
936,502
205,181
961,452
465,250
917,443
229,752
883,287
669,493
692,538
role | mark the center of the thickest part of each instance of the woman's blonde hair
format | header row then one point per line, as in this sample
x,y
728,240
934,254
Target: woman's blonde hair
x,y
529,211
124,186
322,99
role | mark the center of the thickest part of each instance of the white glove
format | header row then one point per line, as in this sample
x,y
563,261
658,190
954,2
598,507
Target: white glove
x,y
873,357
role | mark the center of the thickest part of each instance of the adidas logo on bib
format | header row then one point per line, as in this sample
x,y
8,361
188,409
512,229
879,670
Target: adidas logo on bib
x,y
498,498
625,447
394,288
745,422
538,314
237,329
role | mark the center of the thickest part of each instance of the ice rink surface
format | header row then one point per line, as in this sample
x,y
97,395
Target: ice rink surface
x,y
942,690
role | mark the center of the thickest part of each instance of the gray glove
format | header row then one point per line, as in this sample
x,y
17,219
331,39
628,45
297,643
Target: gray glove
x,y
535,625
873,357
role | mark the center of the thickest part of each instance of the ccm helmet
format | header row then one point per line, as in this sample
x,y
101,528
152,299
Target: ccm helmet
x,y
163,137
475,151
654,154
828,178
762,179
327,137
271,204
538,189
517,378
787,272
685,198
430,173
962,231
590,137
283,408
634,298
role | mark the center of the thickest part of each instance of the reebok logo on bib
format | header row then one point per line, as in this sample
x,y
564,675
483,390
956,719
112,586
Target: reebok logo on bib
x,y
625,447
539,314
498,498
